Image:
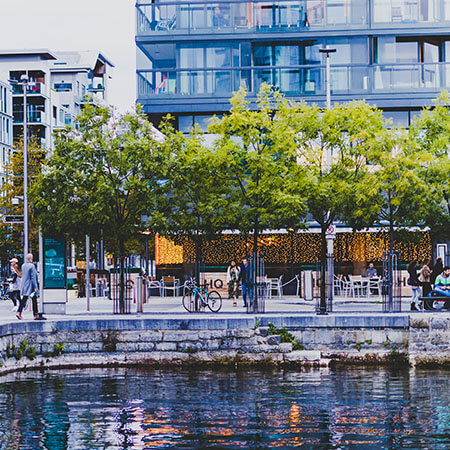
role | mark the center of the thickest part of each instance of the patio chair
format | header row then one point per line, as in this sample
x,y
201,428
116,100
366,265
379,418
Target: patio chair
x,y
348,288
375,286
276,284
170,283
337,285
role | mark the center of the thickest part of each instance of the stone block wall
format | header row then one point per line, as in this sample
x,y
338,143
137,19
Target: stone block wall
x,y
400,338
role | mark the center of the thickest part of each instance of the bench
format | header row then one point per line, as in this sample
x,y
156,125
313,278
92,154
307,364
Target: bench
x,y
427,302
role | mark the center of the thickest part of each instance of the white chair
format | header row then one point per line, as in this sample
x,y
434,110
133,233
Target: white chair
x,y
277,285
337,285
375,286
348,288
170,283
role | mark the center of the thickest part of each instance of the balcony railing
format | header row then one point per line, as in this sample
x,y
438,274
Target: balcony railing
x,y
295,80
35,88
288,15
410,12
33,116
245,16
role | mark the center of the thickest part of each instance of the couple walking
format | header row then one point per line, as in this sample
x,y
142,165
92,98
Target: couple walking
x,y
239,276
25,285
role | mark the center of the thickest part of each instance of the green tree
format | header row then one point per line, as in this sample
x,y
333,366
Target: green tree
x,y
103,175
262,166
429,137
333,148
13,188
196,192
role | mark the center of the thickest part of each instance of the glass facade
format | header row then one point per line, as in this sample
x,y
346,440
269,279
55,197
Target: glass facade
x,y
386,51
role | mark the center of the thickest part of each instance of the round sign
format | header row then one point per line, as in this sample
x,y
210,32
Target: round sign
x,y
331,229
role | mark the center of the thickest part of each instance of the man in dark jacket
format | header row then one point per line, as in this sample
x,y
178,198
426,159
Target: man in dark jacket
x,y
244,278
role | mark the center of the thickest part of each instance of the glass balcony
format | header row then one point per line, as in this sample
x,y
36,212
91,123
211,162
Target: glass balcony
x,y
295,80
33,116
248,16
408,12
35,88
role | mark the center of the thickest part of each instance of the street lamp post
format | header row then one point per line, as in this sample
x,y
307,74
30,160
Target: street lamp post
x,y
330,236
24,83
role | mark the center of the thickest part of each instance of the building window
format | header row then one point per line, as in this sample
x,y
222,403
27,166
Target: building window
x,y
62,87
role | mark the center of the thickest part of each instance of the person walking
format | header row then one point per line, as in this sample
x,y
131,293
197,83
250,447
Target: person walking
x,y
29,286
425,276
414,282
437,270
244,277
15,283
233,282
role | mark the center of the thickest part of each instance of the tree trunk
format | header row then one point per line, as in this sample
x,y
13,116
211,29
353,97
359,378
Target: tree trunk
x,y
323,261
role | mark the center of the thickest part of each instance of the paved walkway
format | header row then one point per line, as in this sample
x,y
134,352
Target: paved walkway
x,y
291,305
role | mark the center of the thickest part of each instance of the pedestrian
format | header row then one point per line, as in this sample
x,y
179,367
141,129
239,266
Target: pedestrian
x,y
437,270
414,282
424,277
14,293
371,272
233,282
29,286
244,277
442,284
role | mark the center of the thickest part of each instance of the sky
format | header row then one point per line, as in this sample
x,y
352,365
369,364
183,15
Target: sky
x,y
104,25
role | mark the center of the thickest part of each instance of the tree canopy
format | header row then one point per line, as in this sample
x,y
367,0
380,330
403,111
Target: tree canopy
x,y
103,175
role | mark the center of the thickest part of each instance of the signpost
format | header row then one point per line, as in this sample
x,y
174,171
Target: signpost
x,y
12,219
331,236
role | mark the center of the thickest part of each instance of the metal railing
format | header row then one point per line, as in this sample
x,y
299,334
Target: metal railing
x,y
295,80
287,15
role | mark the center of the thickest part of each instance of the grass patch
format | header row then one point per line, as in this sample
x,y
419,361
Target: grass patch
x,y
285,336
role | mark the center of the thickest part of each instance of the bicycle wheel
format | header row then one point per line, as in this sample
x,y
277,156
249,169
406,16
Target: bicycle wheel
x,y
189,301
214,301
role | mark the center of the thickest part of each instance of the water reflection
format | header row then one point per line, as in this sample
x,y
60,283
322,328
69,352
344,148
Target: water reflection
x,y
134,409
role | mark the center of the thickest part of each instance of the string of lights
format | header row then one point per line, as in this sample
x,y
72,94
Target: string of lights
x,y
294,248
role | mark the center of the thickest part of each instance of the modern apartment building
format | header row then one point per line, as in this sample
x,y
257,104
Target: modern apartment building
x,y
58,84
76,74
191,55
6,126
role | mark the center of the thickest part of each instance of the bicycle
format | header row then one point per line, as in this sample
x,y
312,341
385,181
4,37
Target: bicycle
x,y
5,289
195,298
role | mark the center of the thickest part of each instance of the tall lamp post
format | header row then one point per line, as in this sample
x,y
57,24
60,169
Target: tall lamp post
x,y
330,236
24,83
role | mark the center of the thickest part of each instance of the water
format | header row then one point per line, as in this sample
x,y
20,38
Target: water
x,y
135,409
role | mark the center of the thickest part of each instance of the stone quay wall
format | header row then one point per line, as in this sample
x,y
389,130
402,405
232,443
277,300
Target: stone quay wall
x,y
416,339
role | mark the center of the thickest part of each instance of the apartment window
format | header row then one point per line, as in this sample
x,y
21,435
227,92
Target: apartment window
x,y
62,87
185,123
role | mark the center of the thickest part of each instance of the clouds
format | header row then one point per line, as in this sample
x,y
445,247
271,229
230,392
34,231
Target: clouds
x,y
104,25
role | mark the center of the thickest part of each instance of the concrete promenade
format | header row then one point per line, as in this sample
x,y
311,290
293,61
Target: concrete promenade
x,y
287,305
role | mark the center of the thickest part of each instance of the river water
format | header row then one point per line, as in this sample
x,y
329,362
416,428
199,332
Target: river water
x,y
137,409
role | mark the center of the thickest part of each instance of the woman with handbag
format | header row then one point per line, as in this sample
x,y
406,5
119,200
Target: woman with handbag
x,y
14,293
425,277
233,282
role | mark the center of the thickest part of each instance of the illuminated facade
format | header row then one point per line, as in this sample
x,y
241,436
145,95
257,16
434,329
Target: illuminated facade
x,y
191,55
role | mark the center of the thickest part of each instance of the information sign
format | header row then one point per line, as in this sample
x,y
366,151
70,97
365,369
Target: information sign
x,y
12,219
54,263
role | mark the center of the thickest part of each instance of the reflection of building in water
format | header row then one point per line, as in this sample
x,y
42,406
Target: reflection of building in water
x,y
127,408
